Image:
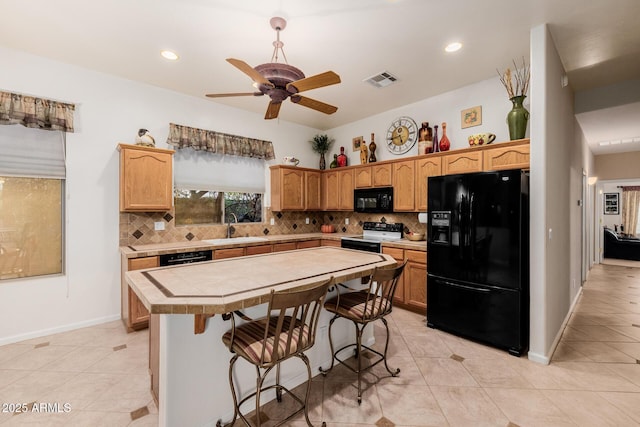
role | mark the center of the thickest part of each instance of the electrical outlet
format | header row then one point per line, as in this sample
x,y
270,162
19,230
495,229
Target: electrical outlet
x,y
306,221
158,226
346,221
273,221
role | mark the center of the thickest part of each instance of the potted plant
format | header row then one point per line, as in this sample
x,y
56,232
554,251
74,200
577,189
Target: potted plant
x,y
321,144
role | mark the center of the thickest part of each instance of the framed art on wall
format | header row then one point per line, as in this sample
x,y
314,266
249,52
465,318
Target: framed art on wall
x,y
471,117
611,203
357,142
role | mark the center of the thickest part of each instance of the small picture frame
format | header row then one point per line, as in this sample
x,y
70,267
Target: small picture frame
x,y
471,117
612,203
357,142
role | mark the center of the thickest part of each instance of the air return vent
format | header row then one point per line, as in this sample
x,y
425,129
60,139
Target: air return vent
x,y
382,79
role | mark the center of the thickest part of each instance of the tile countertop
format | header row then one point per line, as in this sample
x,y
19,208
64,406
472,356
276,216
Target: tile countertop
x,y
138,251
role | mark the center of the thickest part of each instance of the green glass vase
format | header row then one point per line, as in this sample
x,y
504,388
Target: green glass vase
x,y
517,118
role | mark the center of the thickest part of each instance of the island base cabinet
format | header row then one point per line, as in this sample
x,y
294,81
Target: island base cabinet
x,y
134,314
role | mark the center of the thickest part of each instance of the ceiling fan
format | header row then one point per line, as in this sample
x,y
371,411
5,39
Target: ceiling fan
x,y
281,81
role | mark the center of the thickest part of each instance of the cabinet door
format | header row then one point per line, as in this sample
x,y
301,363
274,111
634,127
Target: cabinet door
x,y
255,250
404,186
279,247
313,191
501,158
330,191
363,177
345,188
398,255
308,244
425,167
328,242
228,253
292,195
138,315
471,161
145,179
415,280
381,175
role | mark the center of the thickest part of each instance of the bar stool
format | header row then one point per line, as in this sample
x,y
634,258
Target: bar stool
x,y
288,330
363,307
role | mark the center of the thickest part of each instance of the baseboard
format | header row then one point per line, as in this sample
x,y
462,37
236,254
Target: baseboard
x,y
65,328
546,358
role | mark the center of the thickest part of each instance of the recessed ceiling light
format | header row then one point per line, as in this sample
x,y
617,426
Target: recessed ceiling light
x,y
167,54
453,47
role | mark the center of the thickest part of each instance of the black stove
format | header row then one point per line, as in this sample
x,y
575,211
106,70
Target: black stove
x,y
373,234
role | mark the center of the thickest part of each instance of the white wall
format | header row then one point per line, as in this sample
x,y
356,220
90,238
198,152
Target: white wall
x,y
109,110
552,136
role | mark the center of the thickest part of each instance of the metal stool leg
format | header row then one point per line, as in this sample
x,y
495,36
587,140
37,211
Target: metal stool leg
x,y
394,373
325,371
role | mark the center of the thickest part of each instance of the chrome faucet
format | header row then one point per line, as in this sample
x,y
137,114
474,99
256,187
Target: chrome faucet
x,y
229,224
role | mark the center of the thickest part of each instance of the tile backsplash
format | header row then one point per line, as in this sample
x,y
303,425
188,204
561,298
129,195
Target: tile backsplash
x,y
139,228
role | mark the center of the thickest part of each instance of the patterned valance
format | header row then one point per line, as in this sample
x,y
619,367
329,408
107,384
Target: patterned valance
x,y
35,112
630,188
220,143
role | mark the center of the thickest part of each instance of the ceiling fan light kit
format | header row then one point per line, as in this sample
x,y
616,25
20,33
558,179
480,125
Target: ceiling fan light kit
x,y
281,81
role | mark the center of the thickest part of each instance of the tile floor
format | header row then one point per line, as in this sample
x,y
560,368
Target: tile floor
x,y
593,380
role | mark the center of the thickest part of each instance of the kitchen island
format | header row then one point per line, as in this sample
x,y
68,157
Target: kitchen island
x,y
192,368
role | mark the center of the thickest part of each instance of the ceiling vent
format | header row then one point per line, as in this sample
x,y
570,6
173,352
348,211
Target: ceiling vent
x,y
382,79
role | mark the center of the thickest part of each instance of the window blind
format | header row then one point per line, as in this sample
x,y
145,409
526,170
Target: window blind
x,y
32,152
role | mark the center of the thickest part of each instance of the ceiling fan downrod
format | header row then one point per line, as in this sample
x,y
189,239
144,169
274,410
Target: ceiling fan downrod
x,y
278,24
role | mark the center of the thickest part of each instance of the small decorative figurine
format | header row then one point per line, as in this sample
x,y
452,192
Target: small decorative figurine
x,y
364,154
334,163
145,139
372,150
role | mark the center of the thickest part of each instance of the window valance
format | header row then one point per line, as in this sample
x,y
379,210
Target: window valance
x,y
35,112
220,143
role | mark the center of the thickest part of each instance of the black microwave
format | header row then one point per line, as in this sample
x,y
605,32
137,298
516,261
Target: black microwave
x,y
374,200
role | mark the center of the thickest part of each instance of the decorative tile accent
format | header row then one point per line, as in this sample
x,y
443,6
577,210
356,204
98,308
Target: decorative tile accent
x,y
189,236
279,215
119,347
265,231
295,226
457,358
42,344
167,217
314,222
344,229
138,234
384,422
330,217
383,219
139,413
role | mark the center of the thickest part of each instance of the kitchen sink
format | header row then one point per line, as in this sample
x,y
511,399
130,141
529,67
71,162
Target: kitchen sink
x,y
232,240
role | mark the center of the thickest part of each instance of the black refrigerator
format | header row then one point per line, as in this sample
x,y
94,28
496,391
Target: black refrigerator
x,y
478,257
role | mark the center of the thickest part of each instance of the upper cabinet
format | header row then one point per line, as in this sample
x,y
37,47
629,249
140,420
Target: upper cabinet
x,y
146,179
295,189
313,190
404,189
337,191
374,175
509,157
425,167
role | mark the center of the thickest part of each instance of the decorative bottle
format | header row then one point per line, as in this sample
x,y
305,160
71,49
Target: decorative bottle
x,y
445,144
372,150
342,158
436,145
425,139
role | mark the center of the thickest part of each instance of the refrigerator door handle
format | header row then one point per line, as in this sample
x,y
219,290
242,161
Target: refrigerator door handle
x,y
471,230
469,288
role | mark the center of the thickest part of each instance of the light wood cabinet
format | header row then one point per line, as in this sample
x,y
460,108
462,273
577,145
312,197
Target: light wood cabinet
x,y
313,190
465,162
415,280
328,242
146,179
308,244
287,188
228,253
363,177
398,255
375,175
134,314
338,190
510,157
425,167
256,250
404,186
289,246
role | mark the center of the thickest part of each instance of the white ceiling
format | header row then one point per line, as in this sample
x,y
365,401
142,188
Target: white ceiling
x,y
598,41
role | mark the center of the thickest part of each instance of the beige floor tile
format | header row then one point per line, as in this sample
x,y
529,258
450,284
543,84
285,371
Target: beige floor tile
x,y
495,373
469,349
409,373
588,409
594,333
410,405
78,359
340,404
468,406
598,351
84,389
36,358
594,377
630,348
427,345
568,353
627,402
100,419
528,408
11,351
627,371
7,376
445,372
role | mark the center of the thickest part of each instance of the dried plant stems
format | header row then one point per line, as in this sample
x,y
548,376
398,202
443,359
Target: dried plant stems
x,y
520,75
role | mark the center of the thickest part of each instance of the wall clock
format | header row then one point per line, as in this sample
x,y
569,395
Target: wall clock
x,y
401,135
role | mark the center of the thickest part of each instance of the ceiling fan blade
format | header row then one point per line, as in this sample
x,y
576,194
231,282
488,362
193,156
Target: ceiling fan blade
x,y
249,71
272,110
223,95
314,104
327,78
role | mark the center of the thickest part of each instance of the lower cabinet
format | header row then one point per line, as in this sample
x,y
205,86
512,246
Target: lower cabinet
x,y
134,314
412,285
